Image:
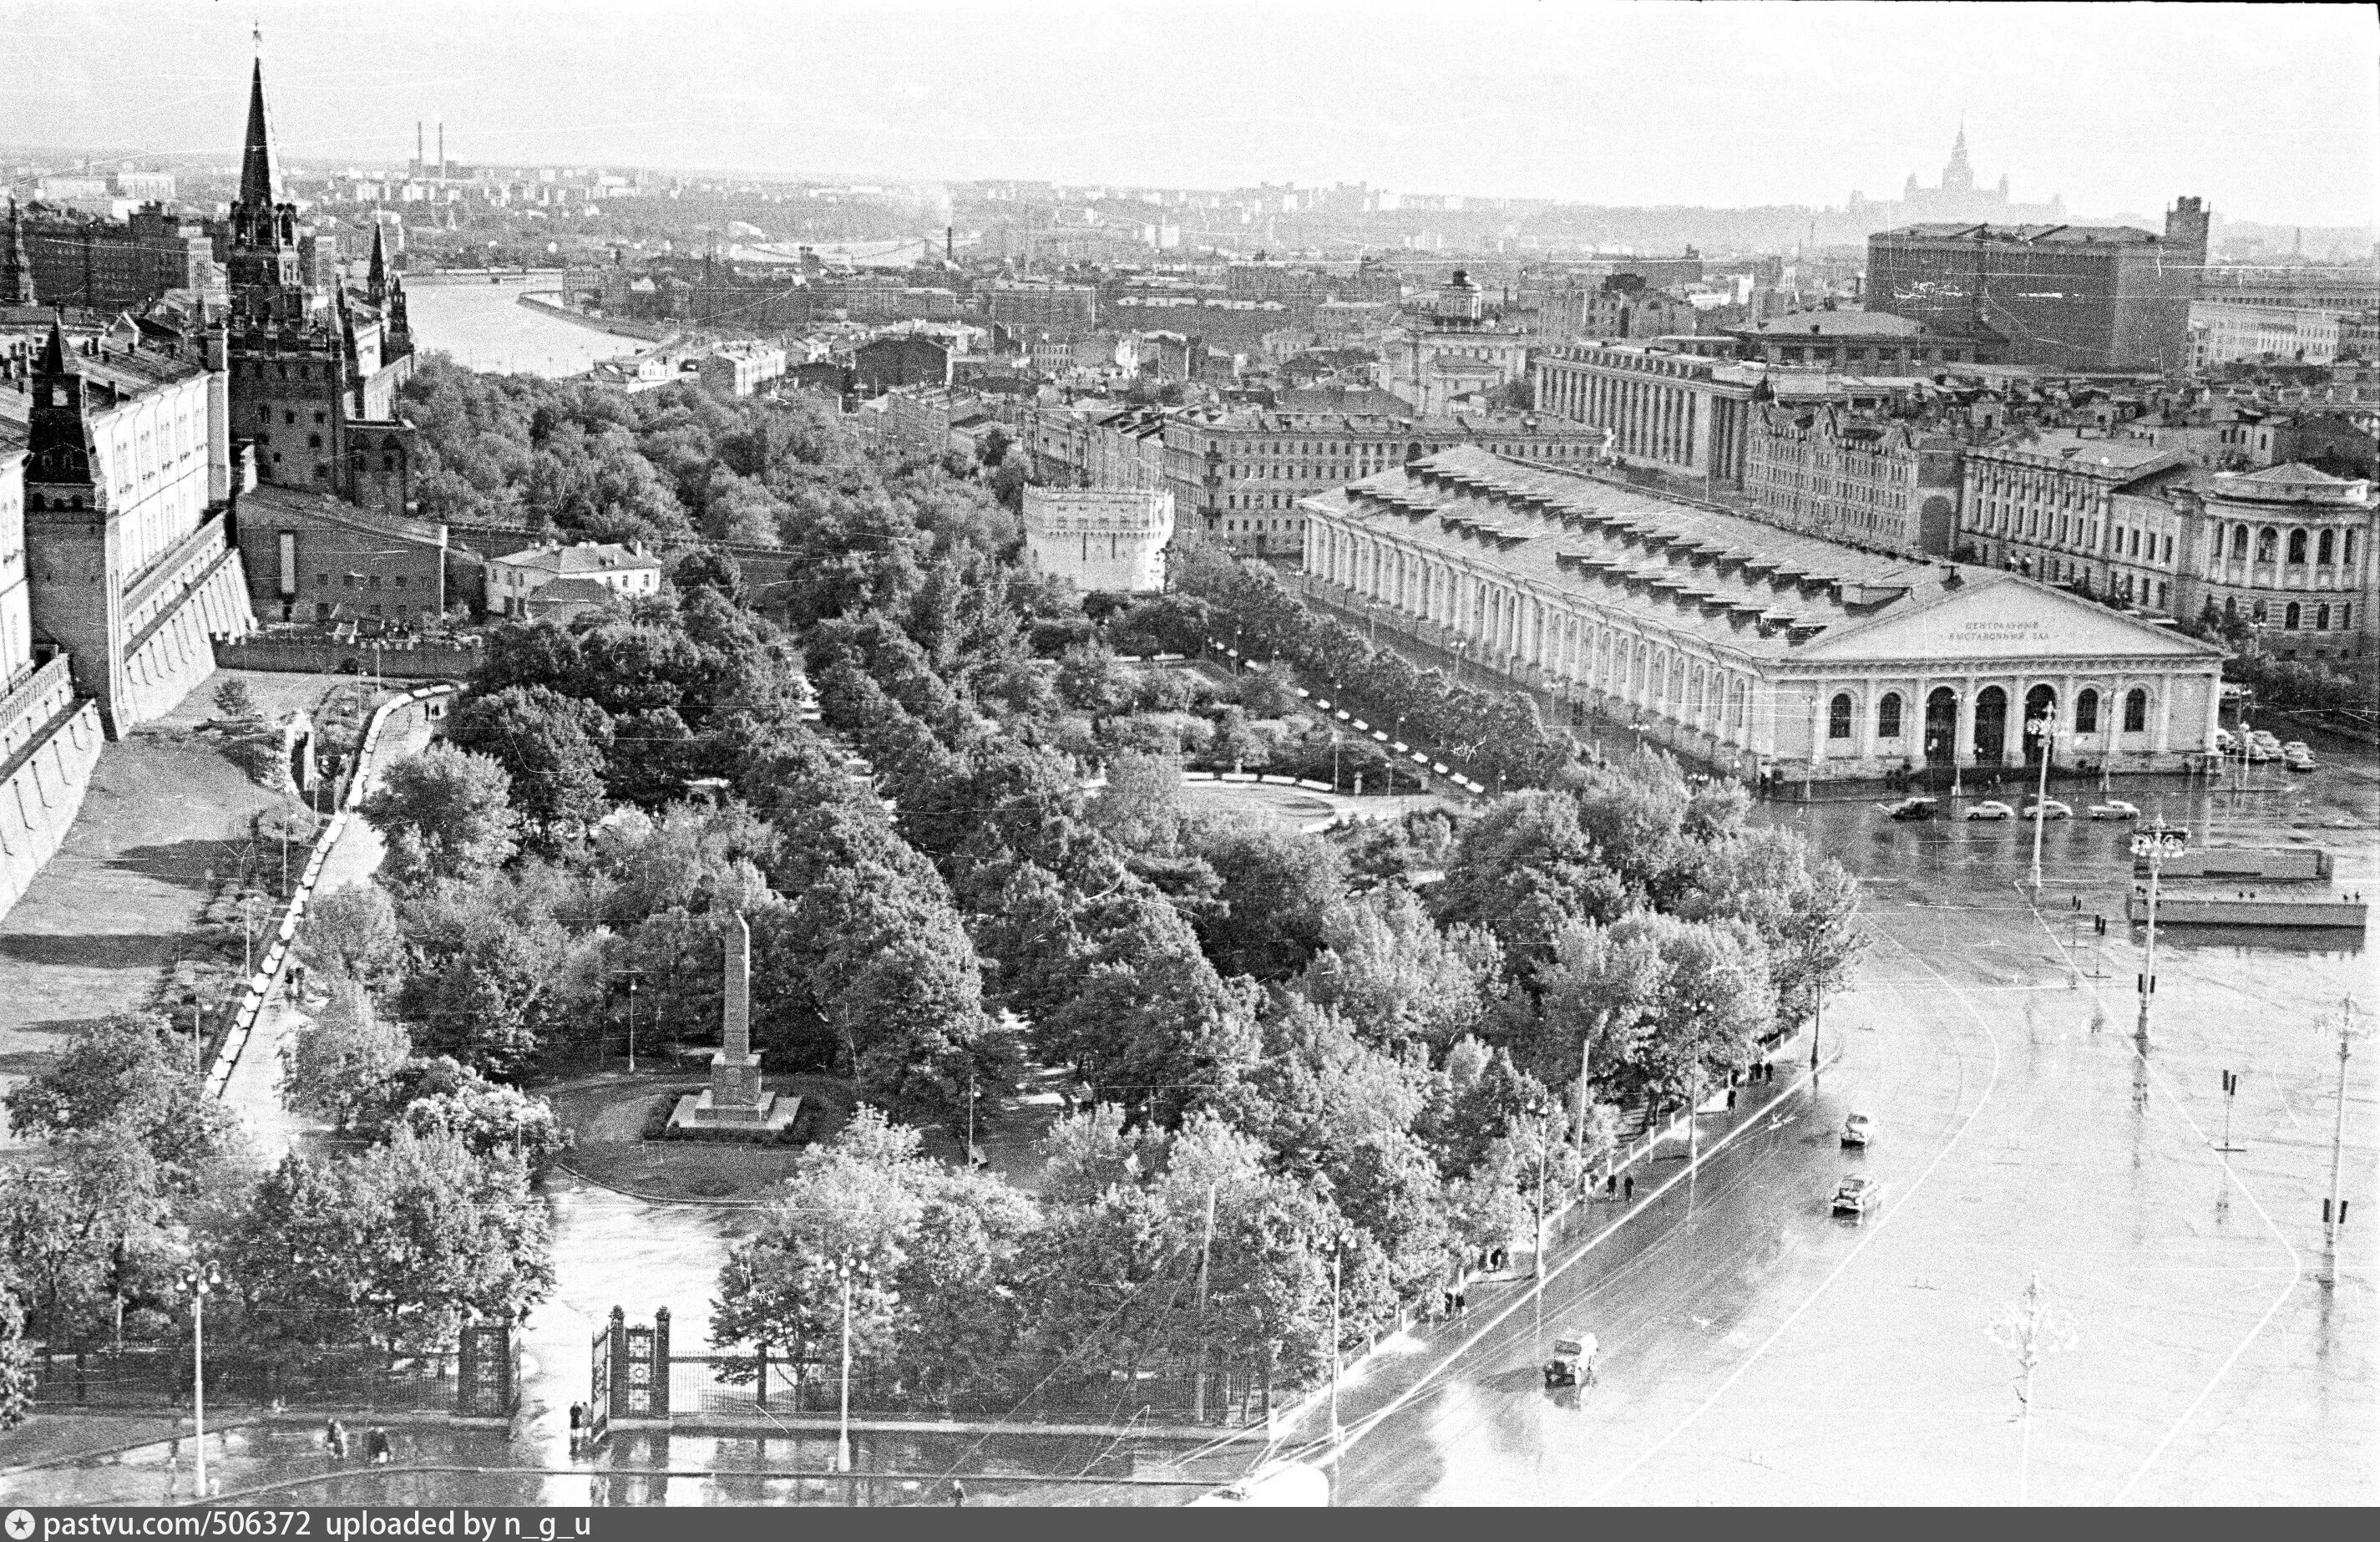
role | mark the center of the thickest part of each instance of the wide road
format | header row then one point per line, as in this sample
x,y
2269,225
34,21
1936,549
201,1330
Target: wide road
x,y
1757,1349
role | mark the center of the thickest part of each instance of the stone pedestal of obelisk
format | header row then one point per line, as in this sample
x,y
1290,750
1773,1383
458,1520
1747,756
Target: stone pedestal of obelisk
x,y
735,1103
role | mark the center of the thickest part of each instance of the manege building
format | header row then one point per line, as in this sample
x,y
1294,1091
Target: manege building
x,y
1747,648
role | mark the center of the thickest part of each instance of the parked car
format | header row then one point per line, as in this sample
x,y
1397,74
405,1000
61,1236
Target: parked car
x,y
2049,808
1991,809
2260,753
1913,809
2298,759
2225,744
2115,808
1858,1130
1857,1194
2298,745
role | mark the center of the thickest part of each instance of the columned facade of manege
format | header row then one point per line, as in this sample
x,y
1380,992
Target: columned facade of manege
x,y
1754,650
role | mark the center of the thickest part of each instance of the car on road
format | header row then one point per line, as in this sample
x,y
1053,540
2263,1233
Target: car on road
x,y
1283,1484
2049,808
1857,1194
1572,1358
2115,808
1991,809
2297,758
1913,809
1858,1130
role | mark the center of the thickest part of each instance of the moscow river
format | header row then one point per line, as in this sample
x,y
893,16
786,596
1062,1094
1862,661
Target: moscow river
x,y
484,326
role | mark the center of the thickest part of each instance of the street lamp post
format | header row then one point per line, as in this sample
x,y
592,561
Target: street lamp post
x,y
198,1282
2154,845
2045,728
2030,1327
844,1271
2334,1209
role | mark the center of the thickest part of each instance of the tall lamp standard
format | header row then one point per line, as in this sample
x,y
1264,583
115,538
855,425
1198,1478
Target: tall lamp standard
x,y
2155,846
2044,727
198,1282
634,978
844,1271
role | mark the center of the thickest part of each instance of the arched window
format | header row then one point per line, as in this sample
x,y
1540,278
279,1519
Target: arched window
x,y
1888,716
2269,545
2290,616
2322,618
2087,712
2136,712
1838,716
2297,546
2238,541
2326,548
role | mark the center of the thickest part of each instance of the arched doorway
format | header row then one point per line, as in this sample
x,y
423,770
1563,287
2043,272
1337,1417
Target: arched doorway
x,y
1991,726
2039,702
1942,726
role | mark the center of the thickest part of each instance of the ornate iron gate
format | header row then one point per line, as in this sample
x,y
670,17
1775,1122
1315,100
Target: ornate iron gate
x,y
599,1403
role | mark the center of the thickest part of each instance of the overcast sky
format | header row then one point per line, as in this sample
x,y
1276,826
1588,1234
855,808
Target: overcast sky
x,y
2271,112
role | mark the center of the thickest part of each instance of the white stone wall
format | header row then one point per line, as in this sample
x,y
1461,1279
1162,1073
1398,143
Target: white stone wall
x,y
1106,540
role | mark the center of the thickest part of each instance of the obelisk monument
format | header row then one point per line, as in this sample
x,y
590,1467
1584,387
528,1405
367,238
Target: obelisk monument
x,y
736,1100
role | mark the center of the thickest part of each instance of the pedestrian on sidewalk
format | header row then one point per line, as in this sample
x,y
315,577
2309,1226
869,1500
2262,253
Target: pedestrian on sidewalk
x,y
1631,1184
1610,1184
376,1448
1461,1304
1730,1099
959,1495
334,1440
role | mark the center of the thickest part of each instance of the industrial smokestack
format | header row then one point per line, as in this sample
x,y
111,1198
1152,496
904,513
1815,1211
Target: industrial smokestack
x,y
421,145
442,149
949,243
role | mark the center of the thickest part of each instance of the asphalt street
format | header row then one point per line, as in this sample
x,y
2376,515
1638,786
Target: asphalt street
x,y
1756,1349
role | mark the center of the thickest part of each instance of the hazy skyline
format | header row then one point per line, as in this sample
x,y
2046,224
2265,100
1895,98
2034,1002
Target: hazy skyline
x,y
2272,113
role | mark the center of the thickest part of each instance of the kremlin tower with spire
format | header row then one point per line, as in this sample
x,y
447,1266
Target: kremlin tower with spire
x,y
314,369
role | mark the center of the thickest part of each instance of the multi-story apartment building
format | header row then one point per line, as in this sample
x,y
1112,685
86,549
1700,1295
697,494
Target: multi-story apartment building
x,y
1682,412
2228,332
1857,342
1025,307
1237,474
1861,478
2088,513
53,257
2285,549
1453,350
2066,297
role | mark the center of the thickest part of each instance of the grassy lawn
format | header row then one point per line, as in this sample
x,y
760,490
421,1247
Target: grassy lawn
x,y
606,1118
1295,808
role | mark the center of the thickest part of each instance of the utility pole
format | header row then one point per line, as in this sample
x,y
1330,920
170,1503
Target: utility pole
x,y
970,1145
1206,1253
1544,1137
2334,1209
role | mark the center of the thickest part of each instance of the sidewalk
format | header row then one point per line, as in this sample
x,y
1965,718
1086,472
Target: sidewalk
x,y
1387,1379
252,1091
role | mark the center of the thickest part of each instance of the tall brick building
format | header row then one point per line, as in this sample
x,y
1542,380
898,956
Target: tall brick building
x,y
2065,297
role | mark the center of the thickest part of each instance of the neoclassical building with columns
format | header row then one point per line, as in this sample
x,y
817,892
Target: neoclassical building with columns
x,y
1746,648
